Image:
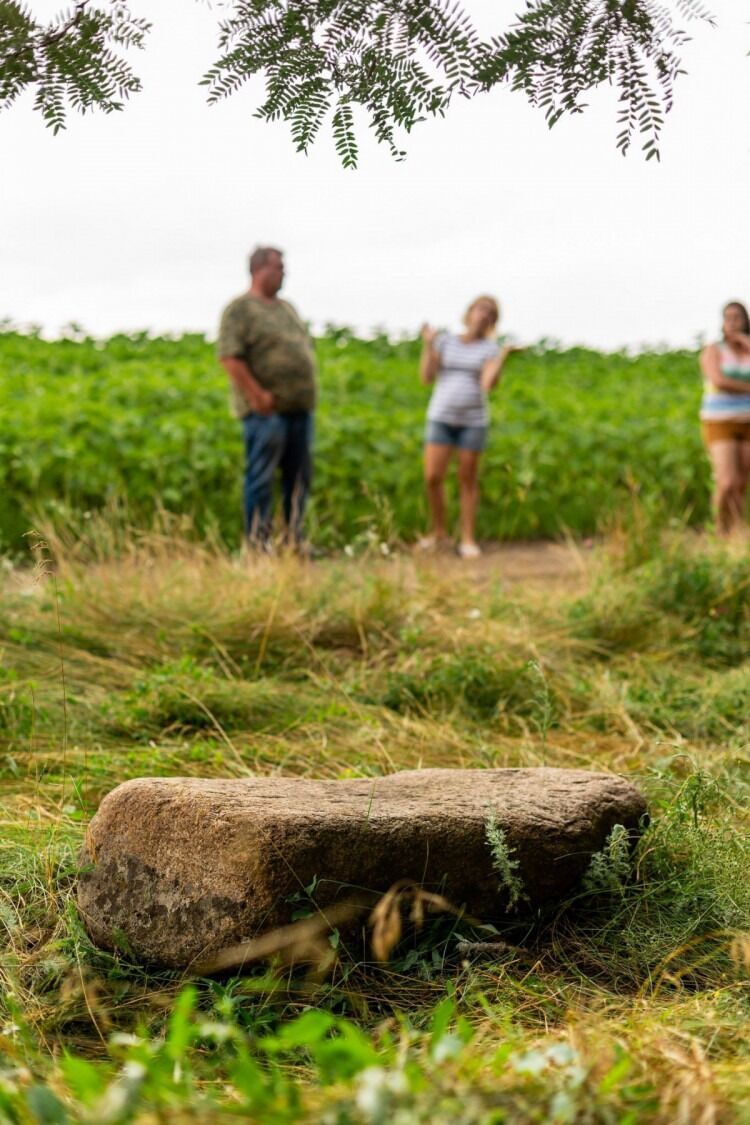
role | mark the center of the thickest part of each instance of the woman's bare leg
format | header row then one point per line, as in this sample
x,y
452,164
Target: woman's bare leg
x,y
729,486
468,491
436,461
743,457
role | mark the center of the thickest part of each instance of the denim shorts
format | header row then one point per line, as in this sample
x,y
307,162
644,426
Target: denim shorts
x,y
463,437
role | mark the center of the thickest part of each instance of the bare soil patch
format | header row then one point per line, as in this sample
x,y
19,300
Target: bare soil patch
x,y
534,563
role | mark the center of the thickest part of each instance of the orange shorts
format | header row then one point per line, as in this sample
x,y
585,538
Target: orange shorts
x,y
725,431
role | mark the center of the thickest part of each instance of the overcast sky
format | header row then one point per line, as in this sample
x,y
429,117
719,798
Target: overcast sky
x,y
143,219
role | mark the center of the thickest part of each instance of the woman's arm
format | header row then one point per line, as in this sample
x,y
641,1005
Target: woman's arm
x,y
492,369
429,361
711,368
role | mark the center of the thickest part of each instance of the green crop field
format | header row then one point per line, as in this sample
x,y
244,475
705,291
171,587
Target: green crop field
x,y
144,422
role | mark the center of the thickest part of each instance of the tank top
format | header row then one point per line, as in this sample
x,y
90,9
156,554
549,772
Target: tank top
x,y
727,406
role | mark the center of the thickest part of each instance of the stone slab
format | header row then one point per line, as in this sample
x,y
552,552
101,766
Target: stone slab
x,y
178,868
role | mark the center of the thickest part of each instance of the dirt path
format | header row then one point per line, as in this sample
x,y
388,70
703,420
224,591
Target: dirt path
x,y
539,564
536,563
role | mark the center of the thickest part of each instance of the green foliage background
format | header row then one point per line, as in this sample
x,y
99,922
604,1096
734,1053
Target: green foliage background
x,y
576,434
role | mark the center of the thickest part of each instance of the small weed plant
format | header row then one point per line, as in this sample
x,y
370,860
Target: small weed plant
x,y
610,868
503,860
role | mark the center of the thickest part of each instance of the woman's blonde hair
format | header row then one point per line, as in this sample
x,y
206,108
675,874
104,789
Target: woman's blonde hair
x,y
495,309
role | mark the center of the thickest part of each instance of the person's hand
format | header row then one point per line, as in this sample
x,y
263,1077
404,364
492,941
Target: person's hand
x,y
428,334
263,402
739,340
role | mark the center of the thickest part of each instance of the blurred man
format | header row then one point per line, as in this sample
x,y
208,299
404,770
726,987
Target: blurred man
x,y
268,354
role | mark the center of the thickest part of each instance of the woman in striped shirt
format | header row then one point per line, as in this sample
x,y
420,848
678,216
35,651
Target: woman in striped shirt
x,y
463,368
725,415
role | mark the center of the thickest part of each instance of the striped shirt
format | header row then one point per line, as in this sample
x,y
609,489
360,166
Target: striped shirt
x,y
458,398
727,406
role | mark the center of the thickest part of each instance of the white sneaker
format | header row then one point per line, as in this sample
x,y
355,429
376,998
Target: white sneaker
x,y
469,550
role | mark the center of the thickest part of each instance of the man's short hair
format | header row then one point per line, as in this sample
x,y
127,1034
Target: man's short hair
x,y
260,256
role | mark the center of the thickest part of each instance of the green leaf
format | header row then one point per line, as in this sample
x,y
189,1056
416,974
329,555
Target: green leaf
x,y
45,1107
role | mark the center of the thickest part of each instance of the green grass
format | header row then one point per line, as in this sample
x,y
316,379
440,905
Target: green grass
x,y
629,1003
145,423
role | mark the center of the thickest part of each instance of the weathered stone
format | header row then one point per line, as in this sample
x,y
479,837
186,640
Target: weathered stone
x,y
178,868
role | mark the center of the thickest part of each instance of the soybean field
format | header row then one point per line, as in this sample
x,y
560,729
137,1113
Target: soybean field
x,y
142,423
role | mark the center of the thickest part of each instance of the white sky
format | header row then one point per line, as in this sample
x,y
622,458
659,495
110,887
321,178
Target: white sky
x,y
143,219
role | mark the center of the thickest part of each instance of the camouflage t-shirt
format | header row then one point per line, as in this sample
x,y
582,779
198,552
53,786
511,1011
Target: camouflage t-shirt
x,y
275,344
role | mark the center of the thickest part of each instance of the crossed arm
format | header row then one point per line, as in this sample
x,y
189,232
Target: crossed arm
x,y
711,368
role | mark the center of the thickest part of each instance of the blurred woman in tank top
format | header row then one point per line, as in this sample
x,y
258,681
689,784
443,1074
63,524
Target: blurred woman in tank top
x,y
725,415
463,368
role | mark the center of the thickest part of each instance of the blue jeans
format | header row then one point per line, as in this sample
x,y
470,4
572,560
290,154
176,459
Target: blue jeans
x,y
276,442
